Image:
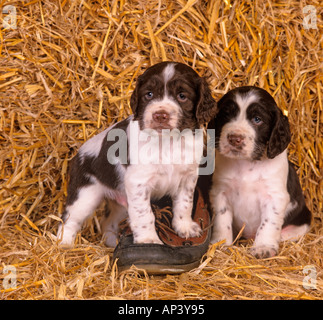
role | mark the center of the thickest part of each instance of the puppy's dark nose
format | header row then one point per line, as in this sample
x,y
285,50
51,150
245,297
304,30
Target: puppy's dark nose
x,y
236,140
161,116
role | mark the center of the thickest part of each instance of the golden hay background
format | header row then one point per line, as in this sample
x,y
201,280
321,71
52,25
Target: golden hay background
x,y
68,71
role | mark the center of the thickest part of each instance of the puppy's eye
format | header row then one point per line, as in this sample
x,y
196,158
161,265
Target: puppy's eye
x,y
149,95
181,97
256,120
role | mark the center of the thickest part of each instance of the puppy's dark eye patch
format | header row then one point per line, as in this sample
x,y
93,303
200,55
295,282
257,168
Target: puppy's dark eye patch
x,y
228,110
258,114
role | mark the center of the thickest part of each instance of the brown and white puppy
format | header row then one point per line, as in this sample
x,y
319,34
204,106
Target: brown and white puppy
x,y
254,184
128,165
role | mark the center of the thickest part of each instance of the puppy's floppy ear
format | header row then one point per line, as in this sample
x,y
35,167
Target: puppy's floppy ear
x,y
134,100
280,136
206,107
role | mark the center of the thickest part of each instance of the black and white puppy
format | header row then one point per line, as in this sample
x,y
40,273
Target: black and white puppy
x,y
169,98
254,184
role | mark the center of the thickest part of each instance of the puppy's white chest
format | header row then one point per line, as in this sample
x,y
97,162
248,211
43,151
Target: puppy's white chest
x,y
159,179
244,199
167,178
247,187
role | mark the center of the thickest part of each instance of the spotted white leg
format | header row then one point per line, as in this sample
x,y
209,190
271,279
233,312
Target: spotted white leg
x,y
222,225
183,223
268,234
141,217
110,222
88,199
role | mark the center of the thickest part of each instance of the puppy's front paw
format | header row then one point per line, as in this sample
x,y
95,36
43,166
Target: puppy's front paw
x,y
187,228
263,252
65,237
220,235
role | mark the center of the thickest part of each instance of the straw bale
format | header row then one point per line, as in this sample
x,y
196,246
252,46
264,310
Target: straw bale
x,y
67,72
